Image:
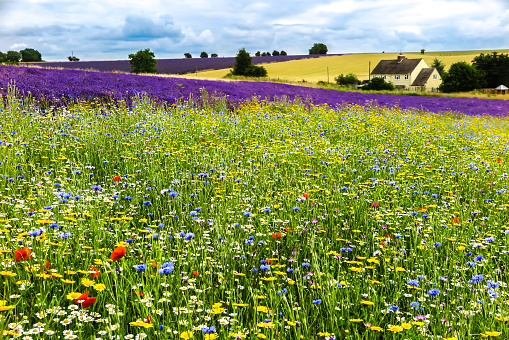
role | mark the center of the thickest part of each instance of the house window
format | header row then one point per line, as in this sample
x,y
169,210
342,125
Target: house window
x,y
406,76
384,77
396,77
435,77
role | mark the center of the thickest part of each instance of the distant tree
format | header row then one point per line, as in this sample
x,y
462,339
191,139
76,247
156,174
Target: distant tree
x,y
349,79
188,55
462,77
439,65
73,58
318,48
283,53
204,55
13,56
378,84
422,51
3,57
143,61
243,66
267,54
495,67
214,55
30,55
257,53
264,54
275,53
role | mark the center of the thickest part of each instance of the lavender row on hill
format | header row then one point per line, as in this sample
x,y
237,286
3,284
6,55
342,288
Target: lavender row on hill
x,y
170,66
56,87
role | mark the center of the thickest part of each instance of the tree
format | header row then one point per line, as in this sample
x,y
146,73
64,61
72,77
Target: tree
x,y
378,84
275,53
30,55
264,54
349,79
439,65
422,51
214,55
188,55
283,53
143,61
462,77
3,57
243,66
495,67
267,54
204,55
13,56
257,54
73,58
318,48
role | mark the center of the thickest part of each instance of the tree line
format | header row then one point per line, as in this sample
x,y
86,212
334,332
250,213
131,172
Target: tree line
x,y
26,55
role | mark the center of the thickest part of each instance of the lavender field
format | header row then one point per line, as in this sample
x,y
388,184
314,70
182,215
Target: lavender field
x,y
53,87
170,66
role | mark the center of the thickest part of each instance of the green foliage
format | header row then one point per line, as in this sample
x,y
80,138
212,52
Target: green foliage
x,y
258,54
439,66
30,55
214,55
243,66
204,55
3,57
318,48
143,61
283,53
13,56
349,79
422,51
495,68
378,84
275,53
188,55
73,58
462,77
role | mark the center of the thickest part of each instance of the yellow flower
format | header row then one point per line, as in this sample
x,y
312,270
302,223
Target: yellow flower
x,y
395,329
265,324
6,308
210,336
186,335
406,325
73,296
376,328
261,336
493,333
262,309
272,278
100,287
451,338
67,281
324,334
356,320
141,324
369,303
291,282
291,323
240,304
87,282
400,269
8,273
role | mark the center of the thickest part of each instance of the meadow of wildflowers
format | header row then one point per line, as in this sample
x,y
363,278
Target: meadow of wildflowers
x,y
271,220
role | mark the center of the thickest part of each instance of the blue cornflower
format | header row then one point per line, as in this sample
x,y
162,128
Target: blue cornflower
x,y
413,283
208,330
437,244
478,258
166,268
147,203
476,279
140,267
317,302
289,270
434,292
264,267
296,208
189,236
305,264
394,308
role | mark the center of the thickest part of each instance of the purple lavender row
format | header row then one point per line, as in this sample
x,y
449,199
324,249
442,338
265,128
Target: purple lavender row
x,y
170,66
57,87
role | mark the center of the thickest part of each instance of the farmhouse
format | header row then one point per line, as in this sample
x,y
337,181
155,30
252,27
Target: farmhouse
x,y
411,74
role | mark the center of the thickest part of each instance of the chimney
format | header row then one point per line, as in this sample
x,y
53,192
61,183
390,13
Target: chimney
x,y
401,57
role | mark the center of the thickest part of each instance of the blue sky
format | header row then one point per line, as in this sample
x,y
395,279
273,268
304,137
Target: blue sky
x,y
112,29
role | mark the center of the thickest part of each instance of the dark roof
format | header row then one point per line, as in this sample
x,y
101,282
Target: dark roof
x,y
406,66
422,77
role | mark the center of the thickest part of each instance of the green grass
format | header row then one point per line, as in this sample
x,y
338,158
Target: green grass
x,y
370,209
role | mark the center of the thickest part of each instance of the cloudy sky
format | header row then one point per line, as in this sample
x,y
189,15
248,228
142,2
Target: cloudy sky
x,y
111,29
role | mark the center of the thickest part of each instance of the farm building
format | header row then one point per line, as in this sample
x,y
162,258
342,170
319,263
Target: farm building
x,y
502,89
411,74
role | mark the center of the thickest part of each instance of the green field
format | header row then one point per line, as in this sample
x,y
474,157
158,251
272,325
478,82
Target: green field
x,y
314,70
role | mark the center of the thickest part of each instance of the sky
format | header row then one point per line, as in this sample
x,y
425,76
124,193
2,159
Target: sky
x,y
113,29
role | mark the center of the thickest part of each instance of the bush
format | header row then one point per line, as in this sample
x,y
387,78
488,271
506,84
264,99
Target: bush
x,y
243,66
188,55
143,61
30,55
204,55
275,53
318,48
378,84
13,56
462,77
214,55
283,53
73,58
349,79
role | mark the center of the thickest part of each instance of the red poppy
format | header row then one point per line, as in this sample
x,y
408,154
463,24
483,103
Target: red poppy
x,y
149,319
95,272
85,300
22,254
456,219
389,235
118,253
499,160
306,195
268,261
276,235
47,264
195,273
116,178
375,204
288,228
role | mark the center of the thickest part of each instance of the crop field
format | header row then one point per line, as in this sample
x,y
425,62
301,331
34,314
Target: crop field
x,y
143,218
314,70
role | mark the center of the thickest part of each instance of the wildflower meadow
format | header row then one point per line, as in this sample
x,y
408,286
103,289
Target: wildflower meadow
x,y
271,220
